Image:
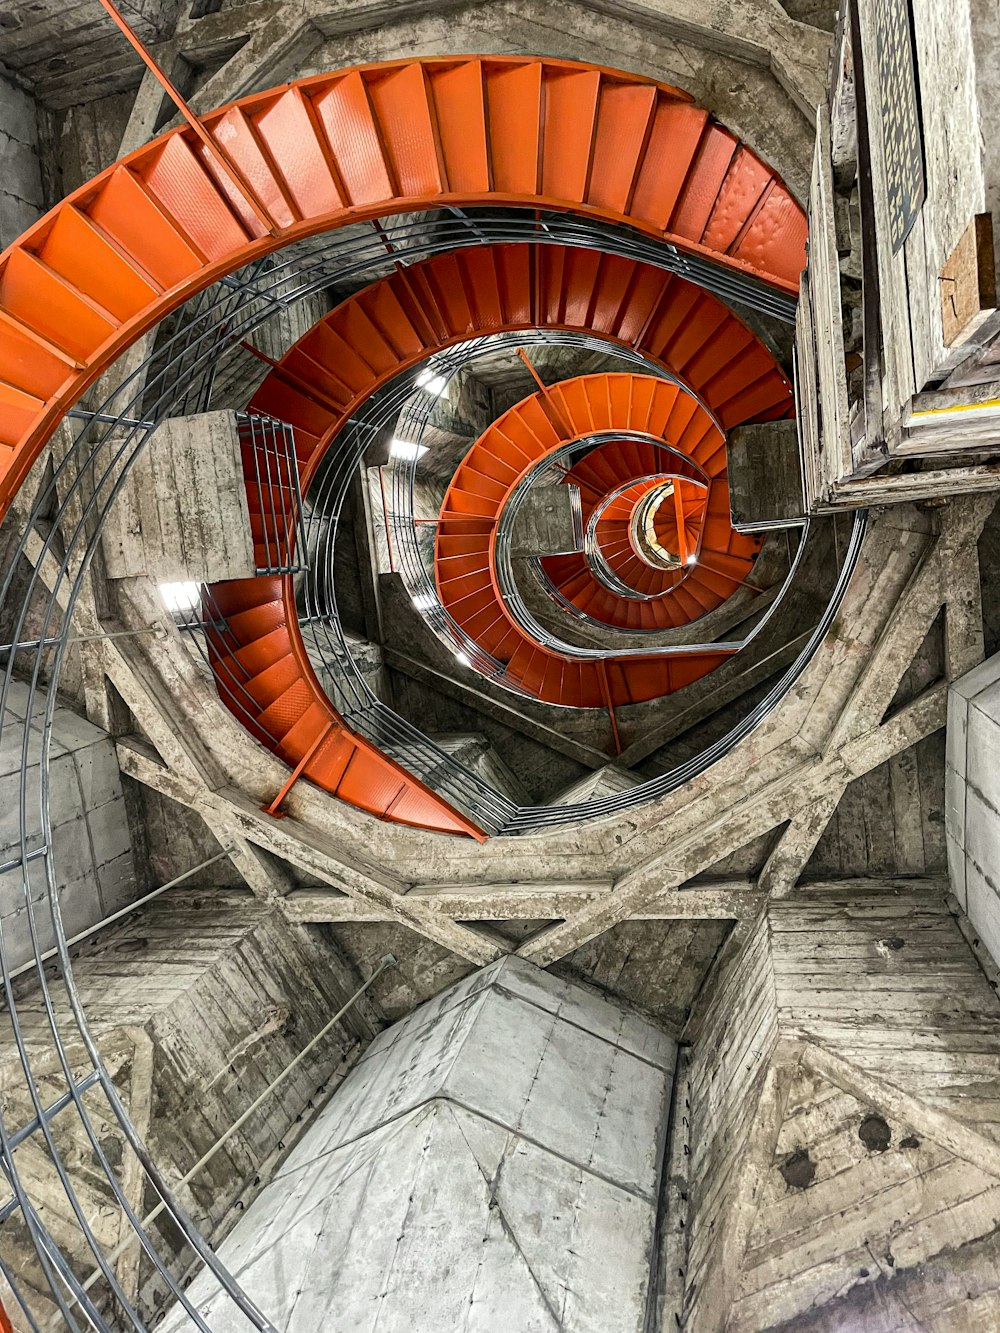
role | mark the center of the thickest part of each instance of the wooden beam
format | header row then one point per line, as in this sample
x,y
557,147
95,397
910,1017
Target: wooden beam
x,y
706,697
938,484
968,284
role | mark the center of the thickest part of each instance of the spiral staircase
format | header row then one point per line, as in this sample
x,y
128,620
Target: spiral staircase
x,y
501,202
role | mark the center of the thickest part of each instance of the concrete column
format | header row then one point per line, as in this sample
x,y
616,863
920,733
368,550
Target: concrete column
x,y
182,514
492,1163
91,847
972,798
21,201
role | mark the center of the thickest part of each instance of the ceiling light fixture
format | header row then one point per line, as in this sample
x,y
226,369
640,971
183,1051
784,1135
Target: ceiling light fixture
x,y
432,383
406,451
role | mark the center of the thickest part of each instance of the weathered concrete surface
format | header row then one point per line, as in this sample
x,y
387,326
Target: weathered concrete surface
x,y
90,834
182,514
548,522
20,172
765,475
197,1002
841,1115
70,52
668,41
492,1163
972,798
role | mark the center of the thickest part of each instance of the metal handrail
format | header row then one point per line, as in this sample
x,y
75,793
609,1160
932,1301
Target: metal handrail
x,y
269,446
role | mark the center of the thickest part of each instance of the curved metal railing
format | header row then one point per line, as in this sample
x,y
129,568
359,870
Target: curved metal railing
x,y
401,403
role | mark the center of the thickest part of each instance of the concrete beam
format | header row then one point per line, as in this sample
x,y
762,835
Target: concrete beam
x,y
961,526
501,711
795,846
752,815
934,1124
280,42
921,718
900,641
306,848
726,900
709,699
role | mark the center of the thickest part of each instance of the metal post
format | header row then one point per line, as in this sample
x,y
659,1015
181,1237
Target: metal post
x,y
275,807
679,518
215,149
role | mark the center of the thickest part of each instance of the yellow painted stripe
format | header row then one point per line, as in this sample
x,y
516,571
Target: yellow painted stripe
x,y
961,407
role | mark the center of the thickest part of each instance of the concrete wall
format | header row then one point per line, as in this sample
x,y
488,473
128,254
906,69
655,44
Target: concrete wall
x,y
972,798
20,174
90,835
492,1163
182,514
839,1115
722,1090
198,1001
870,1180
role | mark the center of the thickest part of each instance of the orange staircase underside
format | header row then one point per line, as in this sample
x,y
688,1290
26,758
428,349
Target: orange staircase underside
x,y
117,255
399,321
465,553
724,556
402,319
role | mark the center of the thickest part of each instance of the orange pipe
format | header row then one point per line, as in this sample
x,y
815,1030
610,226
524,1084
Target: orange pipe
x,y
215,149
606,688
297,771
546,396
682,546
